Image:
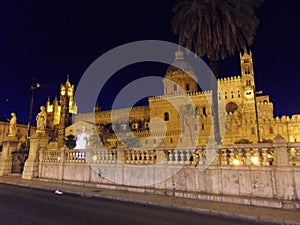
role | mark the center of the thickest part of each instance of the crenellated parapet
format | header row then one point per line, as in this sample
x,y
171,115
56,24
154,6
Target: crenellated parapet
x,y
198,93
231,79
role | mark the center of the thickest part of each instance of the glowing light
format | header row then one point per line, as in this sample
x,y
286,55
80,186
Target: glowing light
x,y
95,158
255,160
236,162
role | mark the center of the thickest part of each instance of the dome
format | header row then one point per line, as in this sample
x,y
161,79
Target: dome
x,y
179,64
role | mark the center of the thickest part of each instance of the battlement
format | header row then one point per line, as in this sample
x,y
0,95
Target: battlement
x,y
229,79
284,118
181,94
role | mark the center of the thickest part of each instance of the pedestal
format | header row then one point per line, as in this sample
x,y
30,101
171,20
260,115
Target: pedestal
x,y
38,141
10,145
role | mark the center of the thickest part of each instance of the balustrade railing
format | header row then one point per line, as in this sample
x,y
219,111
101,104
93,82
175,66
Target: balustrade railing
x,y
246,154
77,156
261,154
51,156
101,156
140,156
294,153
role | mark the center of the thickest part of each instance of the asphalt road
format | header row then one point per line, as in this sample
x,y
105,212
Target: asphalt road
x,y
39,207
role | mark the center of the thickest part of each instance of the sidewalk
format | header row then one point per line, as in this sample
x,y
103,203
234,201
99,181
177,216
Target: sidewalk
x,y
277,216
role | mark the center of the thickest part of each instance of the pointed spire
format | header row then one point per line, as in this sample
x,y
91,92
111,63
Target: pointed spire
x,y
68,80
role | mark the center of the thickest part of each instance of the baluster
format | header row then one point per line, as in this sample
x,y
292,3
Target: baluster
x,y
109,157
265,157
248,157
188,156
176,157
170,158
256,160
231,156
240,156
179,156
224,157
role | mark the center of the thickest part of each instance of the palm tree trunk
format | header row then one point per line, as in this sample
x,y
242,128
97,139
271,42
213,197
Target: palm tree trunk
x,y
215,106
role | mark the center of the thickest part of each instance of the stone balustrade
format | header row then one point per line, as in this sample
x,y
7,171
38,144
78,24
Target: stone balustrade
x,y
246,155
140,156
261,154
294,153
75,156
51,156
101,156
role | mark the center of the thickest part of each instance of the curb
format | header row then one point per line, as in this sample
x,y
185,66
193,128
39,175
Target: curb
x,y
152,203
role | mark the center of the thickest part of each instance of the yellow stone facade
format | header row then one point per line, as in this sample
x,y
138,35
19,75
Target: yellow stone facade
x,y
246,113
54,109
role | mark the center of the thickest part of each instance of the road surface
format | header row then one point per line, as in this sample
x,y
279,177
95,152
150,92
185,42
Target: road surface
x,y
25,206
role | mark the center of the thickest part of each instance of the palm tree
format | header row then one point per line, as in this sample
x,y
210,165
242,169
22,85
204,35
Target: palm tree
x,y
216,29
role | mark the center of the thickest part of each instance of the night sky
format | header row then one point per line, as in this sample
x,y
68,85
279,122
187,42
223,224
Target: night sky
x,y
49,39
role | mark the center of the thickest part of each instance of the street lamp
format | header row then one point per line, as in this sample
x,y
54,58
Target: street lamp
x,y
256,114
34,85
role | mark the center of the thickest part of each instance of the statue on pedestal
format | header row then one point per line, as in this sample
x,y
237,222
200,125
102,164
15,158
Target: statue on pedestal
x,y
41,119
82,139
13,125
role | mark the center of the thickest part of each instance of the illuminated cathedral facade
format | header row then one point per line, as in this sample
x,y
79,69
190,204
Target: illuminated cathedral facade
x,y
248,115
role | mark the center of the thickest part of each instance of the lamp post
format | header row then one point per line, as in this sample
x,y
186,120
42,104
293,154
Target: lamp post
x,y
33,86
256,114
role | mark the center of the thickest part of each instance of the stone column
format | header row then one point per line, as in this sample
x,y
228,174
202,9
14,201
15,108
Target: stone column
x,y
37,141
284,179
281,157
10,144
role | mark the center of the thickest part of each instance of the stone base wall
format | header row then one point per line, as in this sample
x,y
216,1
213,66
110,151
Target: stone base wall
x,y
277,187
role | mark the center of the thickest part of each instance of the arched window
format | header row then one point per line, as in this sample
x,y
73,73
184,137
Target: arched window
x,y
187,87
271,130
166,116
204,111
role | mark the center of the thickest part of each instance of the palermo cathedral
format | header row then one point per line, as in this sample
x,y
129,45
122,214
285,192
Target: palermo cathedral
x,y
248,116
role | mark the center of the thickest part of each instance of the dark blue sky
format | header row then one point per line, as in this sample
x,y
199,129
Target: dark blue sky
x,y
49,40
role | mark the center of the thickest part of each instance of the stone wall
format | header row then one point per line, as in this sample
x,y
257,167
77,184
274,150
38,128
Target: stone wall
x,y
272,184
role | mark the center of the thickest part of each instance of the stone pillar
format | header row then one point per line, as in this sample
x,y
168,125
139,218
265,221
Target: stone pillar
x,y
10,144
281,157
284,179
37,141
